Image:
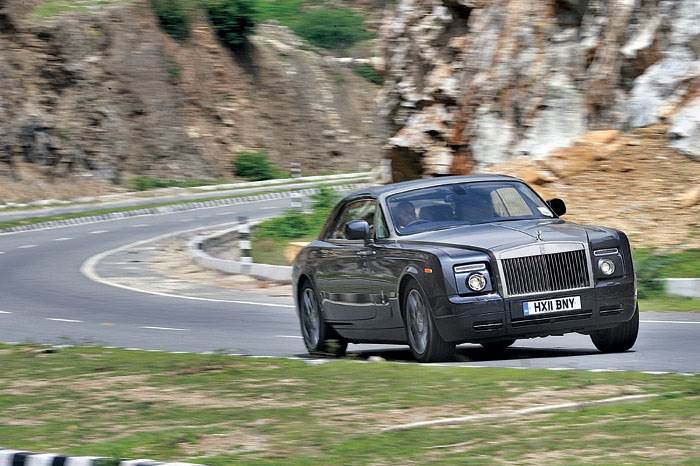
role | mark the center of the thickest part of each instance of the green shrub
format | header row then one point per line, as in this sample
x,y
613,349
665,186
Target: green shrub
x,y
173,17
651,265
144,183
286,12
332,28
233,20
255,166
369,73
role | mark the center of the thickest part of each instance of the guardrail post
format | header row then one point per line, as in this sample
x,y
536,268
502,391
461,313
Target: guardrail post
x,y
295,196
245,256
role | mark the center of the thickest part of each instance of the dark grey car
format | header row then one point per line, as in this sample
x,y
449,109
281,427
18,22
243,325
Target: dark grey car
x,y
482,259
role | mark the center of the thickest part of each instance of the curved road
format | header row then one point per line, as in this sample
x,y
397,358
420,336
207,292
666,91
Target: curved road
x,y
45,298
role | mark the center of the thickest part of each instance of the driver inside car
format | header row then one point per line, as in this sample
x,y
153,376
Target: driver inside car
x,y
405,214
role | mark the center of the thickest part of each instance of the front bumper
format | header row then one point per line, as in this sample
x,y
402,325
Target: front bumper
x,y
491,317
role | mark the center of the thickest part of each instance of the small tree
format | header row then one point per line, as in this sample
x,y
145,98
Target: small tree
x,y
233,20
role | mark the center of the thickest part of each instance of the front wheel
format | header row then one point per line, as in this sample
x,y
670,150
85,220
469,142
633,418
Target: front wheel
x,y
617,339
320,338
423,338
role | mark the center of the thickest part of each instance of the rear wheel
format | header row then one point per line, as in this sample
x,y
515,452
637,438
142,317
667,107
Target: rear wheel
x,y
423,338
617,339
320,338
499,345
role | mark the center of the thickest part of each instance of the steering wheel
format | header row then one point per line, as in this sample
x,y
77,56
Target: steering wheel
x,y
418,221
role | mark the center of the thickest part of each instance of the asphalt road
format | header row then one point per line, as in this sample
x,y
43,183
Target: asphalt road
x,y
44,298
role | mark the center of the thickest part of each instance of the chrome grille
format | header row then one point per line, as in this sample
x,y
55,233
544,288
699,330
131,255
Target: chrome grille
x,y
547,272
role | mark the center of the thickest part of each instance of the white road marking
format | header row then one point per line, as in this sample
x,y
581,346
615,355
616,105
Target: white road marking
x,y
669,322
289,336
1,252
5,312
72,321
63,239
88,269
521,412
269,208
166,328
141,225
221,214
99,232
28,246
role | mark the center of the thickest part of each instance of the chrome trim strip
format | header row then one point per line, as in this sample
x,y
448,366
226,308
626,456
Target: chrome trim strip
x,y
469,268
606,252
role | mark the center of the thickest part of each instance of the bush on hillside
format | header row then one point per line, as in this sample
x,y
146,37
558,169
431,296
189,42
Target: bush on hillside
x,y
173,17
233,20
369,73
255,166
332,28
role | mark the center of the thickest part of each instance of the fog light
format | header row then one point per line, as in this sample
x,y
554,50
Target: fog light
x,y
476,281
606,266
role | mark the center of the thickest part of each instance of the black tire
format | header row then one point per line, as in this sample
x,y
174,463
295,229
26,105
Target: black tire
x,y
617,339
326,342
433,348
499,345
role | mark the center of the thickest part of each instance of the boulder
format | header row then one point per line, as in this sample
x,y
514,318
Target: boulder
x,y
684,132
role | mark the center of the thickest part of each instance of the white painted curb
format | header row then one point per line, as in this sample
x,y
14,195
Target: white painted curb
x,y
687,287
24,458
275,273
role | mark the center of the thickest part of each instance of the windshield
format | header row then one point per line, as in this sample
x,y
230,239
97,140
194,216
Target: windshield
x,y
451,205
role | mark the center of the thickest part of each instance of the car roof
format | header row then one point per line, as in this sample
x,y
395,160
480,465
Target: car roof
x,y
394,188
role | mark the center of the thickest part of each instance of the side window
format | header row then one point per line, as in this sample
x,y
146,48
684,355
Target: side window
x,y
382,231
358,210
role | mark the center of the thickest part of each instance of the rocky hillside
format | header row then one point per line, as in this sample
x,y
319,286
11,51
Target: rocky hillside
x,y
98,94
475,82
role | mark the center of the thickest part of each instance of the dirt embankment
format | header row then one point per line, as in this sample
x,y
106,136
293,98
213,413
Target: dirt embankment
x,y
95,96
631,181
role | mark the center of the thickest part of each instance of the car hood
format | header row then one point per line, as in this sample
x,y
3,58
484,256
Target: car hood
x,y
505,235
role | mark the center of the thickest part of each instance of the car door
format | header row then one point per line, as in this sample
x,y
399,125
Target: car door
x,y
342,269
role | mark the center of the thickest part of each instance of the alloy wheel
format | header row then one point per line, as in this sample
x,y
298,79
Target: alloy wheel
x,y
311,317
417,317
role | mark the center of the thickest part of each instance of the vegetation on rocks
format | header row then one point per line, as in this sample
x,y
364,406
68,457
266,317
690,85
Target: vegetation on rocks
x,y
233,20
255,166
369,73
173,17
332,28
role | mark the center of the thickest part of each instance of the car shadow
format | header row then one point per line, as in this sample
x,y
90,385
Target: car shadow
x,y
475,353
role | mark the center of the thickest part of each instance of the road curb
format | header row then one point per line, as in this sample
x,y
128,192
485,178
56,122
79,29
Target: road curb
x,y
25,458
274,273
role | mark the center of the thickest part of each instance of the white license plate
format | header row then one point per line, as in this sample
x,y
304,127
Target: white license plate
x,y
544,306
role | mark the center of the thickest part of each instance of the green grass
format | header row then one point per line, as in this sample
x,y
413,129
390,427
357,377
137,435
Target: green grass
x,y
670,303
51,8
683,264
271,237
145,183
221,410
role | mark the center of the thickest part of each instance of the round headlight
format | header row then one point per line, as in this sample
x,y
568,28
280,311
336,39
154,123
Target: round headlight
x,y
476,281
606,266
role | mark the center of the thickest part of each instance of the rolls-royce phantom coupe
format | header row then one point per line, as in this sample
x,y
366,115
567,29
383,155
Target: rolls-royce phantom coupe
x,y
481,259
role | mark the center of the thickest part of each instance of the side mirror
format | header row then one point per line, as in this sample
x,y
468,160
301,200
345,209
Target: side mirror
x,y
557,206
357,229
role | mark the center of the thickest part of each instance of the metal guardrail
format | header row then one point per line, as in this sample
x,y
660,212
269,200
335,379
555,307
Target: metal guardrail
x,y
172,195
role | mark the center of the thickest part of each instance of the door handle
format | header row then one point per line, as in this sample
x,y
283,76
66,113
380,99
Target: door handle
x,y
366,253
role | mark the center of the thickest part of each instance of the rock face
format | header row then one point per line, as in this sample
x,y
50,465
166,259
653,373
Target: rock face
x,y
104,94
476,82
